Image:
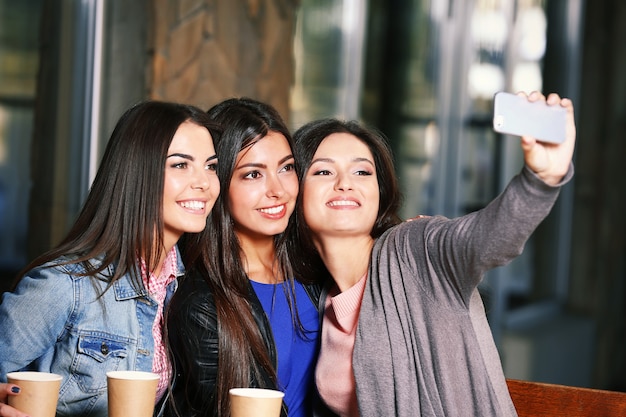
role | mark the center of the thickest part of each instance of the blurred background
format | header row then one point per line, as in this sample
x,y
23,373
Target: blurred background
x,y
424,72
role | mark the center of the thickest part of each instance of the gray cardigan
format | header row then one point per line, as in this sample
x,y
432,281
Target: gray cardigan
x,y
423,345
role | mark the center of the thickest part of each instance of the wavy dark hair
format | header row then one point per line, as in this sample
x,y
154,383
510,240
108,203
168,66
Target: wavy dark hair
x,y
122,216
243,356
307,139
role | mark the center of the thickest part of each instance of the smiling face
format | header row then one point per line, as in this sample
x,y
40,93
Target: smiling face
x,y
340,195
191,185
263,188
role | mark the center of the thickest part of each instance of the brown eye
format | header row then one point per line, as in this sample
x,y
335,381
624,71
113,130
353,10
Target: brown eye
x,y
252,175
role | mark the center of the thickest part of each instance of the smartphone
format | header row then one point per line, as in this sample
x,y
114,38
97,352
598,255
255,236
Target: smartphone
x,y
515,115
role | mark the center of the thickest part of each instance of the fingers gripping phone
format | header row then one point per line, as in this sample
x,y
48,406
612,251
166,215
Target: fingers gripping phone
x,y
515,115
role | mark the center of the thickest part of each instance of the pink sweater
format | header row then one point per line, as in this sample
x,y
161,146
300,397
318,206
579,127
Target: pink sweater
x,y
334,376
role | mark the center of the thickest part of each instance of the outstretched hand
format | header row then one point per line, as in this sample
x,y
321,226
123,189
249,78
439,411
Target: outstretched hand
x,y
5,410
550,161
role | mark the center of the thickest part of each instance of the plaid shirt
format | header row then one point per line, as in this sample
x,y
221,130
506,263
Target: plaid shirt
x,y
156,287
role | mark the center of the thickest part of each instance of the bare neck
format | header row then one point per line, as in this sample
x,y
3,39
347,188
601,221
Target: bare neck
x,y
259,260
346,258
159,265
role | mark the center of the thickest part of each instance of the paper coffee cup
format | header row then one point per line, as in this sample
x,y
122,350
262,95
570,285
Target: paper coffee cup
x,y
39,393
131,393
255,402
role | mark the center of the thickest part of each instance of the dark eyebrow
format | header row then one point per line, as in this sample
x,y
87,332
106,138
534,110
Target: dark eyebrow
x,y
258,165
191,158
251,165
330,160
286,158
181,155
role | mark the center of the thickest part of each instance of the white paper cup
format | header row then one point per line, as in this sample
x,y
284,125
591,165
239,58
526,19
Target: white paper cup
x,y
255,402
131,393
39,393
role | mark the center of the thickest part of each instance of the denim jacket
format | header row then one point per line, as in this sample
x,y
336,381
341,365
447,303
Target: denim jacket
x,y
55,322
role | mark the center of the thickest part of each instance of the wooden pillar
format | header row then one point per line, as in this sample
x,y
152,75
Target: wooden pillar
x,y
206,51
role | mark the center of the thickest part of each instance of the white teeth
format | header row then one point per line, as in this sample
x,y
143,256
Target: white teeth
x,y
272,210
193,205
343,203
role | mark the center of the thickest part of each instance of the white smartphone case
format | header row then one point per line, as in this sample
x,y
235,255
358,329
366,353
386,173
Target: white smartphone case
x,y
515,115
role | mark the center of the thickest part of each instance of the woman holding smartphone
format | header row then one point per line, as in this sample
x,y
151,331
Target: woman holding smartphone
x,y
404,330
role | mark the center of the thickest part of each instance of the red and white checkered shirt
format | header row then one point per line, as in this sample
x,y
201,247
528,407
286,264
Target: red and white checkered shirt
x,y
157,288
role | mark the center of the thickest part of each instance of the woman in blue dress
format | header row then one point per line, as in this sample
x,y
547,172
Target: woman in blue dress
x,y
240,317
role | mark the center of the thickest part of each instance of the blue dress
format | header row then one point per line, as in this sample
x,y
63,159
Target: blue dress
x,y
296,350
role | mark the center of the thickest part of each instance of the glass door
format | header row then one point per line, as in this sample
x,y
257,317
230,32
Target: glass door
x,y
430,70
49,107
447,61
19,60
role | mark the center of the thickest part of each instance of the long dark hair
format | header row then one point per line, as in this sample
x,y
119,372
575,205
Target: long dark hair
x,y
122,217
216,252
307,139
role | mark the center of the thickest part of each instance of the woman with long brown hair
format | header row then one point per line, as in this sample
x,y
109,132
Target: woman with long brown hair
x,y
241,318
95,302
404,331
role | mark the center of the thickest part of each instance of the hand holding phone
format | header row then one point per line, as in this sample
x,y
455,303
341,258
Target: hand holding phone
x,y
515,115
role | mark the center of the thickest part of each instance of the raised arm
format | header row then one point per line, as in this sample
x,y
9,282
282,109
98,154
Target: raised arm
x,y
550,161
470,245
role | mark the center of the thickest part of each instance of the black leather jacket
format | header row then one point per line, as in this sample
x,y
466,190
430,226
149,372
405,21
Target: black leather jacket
x,y
191,321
